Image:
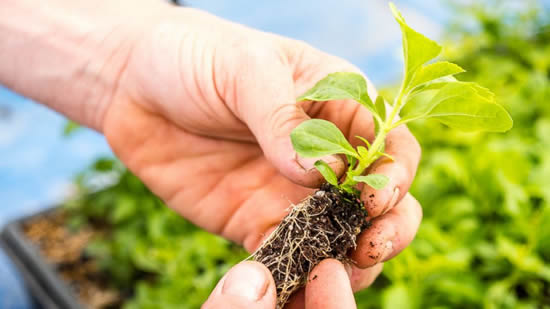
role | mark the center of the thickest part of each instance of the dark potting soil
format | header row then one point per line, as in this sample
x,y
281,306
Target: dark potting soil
x,y
64,249
325,225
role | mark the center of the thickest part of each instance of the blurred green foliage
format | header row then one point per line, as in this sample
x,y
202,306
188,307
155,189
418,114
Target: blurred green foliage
x,y
484,241
71,128
153,255
485,238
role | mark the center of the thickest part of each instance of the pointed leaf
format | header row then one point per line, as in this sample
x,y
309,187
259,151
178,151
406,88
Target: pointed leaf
x,y
474,116
381,107
351,162
327,172
434,85
362,151
377,181
387,156
340,86
460,105
419,103
434,71
364,140
317,137
417,49
482,91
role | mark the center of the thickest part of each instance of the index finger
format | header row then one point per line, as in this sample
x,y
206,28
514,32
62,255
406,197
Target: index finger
x,y
403,147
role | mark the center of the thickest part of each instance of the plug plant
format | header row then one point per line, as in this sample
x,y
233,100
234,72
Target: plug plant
x,y
427,91
326,224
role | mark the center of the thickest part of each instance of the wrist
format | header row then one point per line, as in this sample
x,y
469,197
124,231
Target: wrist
x,y
69,55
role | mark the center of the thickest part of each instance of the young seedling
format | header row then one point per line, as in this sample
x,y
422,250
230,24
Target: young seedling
x,y
326,224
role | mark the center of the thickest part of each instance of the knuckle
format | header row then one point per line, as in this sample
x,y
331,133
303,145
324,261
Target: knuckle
x,y
256,54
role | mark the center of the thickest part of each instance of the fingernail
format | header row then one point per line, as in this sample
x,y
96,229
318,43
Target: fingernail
x,y
388,250
309,163
391,203
246,281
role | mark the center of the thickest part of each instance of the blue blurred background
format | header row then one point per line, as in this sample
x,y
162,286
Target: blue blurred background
x,y
37,163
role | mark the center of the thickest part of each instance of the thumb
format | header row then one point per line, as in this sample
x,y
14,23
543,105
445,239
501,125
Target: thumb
x,y
248,285
269,109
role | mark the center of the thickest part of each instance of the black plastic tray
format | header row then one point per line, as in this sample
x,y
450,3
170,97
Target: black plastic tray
x,y
46,287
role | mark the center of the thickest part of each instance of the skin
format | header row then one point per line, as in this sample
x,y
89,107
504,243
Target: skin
x,y
201,110
329,287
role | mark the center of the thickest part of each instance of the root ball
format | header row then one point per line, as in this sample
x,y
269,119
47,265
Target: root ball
x,y
324,225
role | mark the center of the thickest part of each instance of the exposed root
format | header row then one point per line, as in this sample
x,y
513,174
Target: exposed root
x,y
324,225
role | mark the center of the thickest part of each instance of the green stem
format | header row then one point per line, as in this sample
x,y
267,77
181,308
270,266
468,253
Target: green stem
x,y
375,149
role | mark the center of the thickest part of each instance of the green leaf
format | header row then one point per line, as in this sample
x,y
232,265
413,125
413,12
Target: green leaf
x,y
377,181
434,71
417,49
70,128
381,107
126,206
460,105
433,85
363,152
381,111
351,162
419,104
104,164
386,155
317,138
327,172
340,86
469,117
364,140
482,91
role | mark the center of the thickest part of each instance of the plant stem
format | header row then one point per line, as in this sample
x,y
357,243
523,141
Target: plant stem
x,y
376,148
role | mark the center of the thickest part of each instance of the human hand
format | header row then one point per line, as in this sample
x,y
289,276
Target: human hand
x,y
201,110
203,114
249,285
